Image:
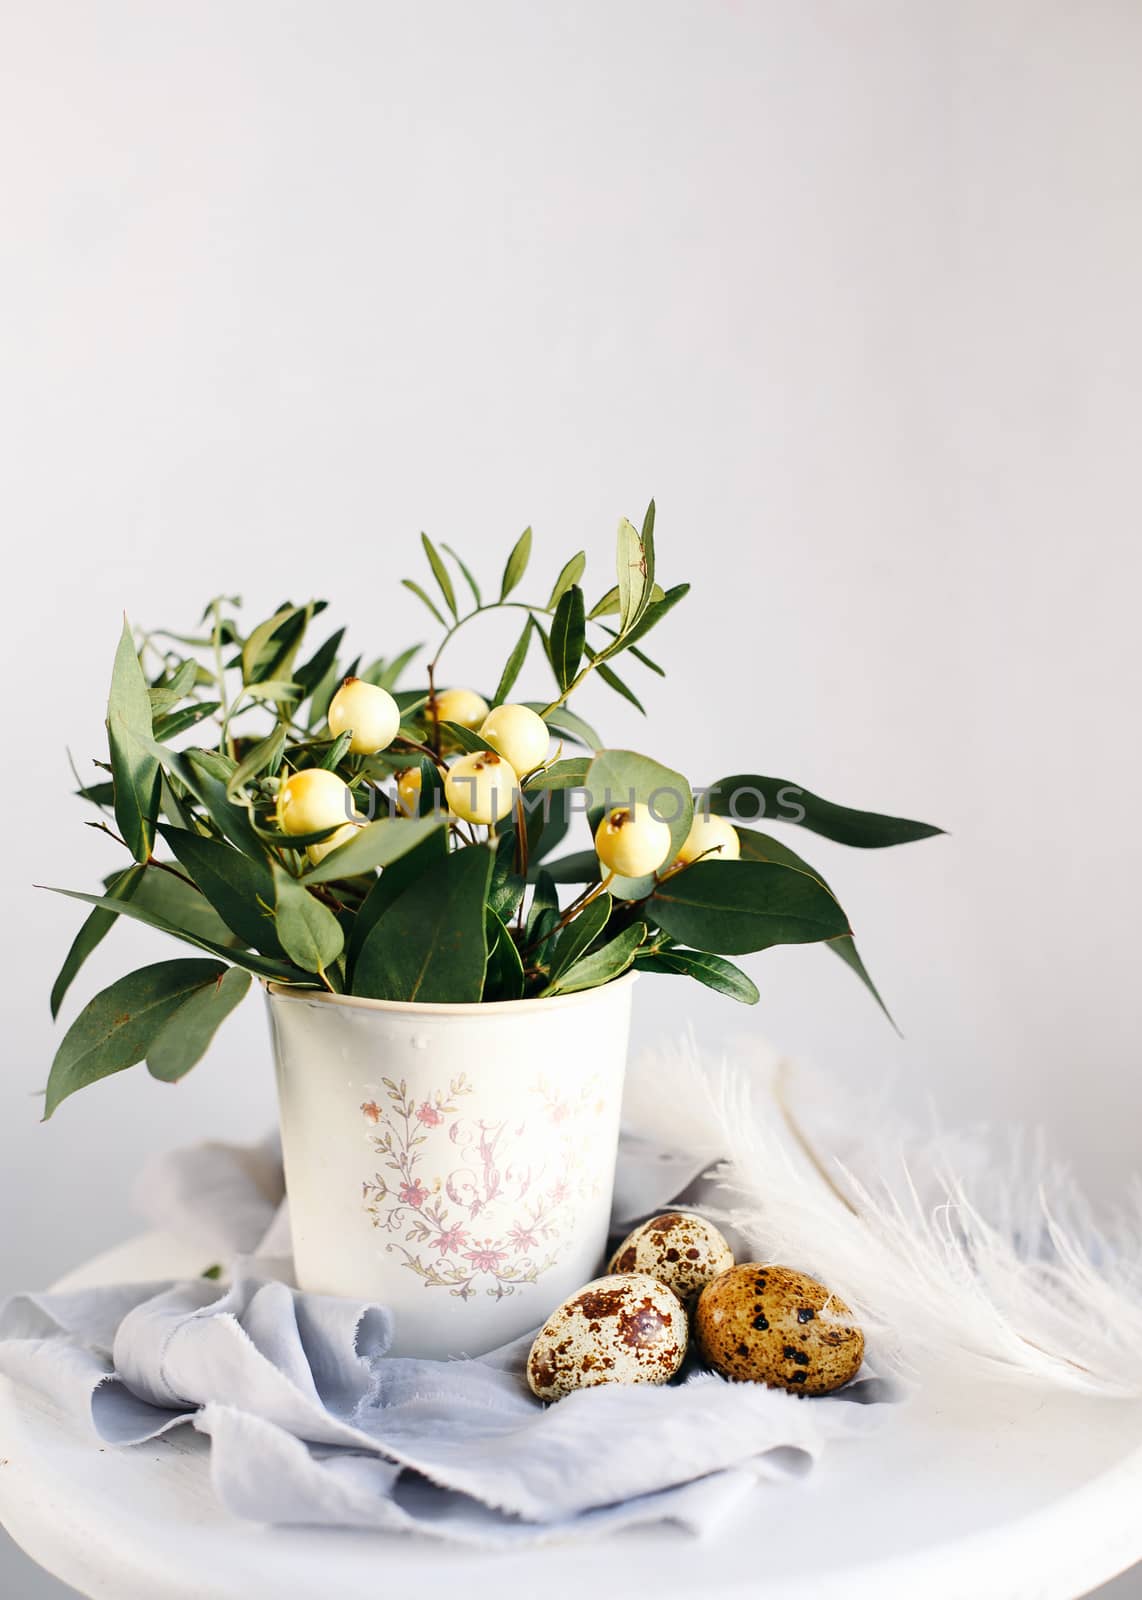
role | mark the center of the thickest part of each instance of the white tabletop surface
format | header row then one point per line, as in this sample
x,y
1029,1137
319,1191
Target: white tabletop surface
x,y
1014,1495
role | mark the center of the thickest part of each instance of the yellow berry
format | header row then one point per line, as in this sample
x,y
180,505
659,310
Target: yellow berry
x,y
311,800
481,787
632,842
408,791
713,838
371,713
464,706
318,852
520,736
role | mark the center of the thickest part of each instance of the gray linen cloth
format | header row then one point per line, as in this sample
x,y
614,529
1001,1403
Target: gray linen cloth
x,y
311,1423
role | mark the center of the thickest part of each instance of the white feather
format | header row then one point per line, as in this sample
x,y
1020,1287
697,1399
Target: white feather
x,y
959,1259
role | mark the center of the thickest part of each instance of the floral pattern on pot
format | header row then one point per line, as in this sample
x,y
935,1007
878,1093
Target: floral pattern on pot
x,y
475,1204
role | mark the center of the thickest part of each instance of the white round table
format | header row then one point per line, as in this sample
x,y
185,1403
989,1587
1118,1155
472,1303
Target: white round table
x,y
997,1494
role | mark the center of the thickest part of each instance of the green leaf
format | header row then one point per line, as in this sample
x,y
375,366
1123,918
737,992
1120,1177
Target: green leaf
x,y
377,844
205,775
264,757
118,1027
398,876
613,681
164,696
468,578
134,769
464,737
660,605
580,867
571,574
177,722
516,564
262,965
730,907
97,925
568,723
431,943
544,906
333,757
568,636
570,773
275,691
269,651
240,889
634,578
514,665
441,574
713,971
390,677
618,777
310,934
601,965
185,1037
746,797
179,904
310,676
414,588
608,606
761,847
580,933
503,977
506,889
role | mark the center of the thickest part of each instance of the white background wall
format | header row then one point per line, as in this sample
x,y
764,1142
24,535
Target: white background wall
x,y
852,289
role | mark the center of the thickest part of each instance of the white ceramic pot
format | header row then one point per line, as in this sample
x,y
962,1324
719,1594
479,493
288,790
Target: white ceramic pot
x,y
452,1162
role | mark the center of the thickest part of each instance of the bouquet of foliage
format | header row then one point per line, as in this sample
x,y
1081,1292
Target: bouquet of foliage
x,y
338,831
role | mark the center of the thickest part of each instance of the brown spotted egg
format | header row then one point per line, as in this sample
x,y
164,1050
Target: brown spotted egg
x,y
776,1326
679,1248
625,1328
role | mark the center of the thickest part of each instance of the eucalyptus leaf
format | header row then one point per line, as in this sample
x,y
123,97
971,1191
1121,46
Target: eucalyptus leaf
x,y
402,873
135,771
377,844
431,943
184,1038
464,737
514,665
116,1029
309,932
571,574
253,962
634,579
613,681
660,606
240,889
414,588
730,907
391,676
714,971
601,965
468,578
506,889
570,773
516,563
579,935
176,722
310,676
503,975
580,867
96,926
568,636
569,723
441,574
264,757
747,797
258,651
757,846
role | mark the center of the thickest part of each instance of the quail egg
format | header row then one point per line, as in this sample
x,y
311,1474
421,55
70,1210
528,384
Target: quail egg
x,y
679,1248
624,1328
776,1326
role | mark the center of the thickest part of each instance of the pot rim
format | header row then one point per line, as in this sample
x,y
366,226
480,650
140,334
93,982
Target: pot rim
x,y
437,1008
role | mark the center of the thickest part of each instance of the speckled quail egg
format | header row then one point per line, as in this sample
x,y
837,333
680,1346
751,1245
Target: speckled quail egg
x,y
775,1326
679,1248
624,1328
